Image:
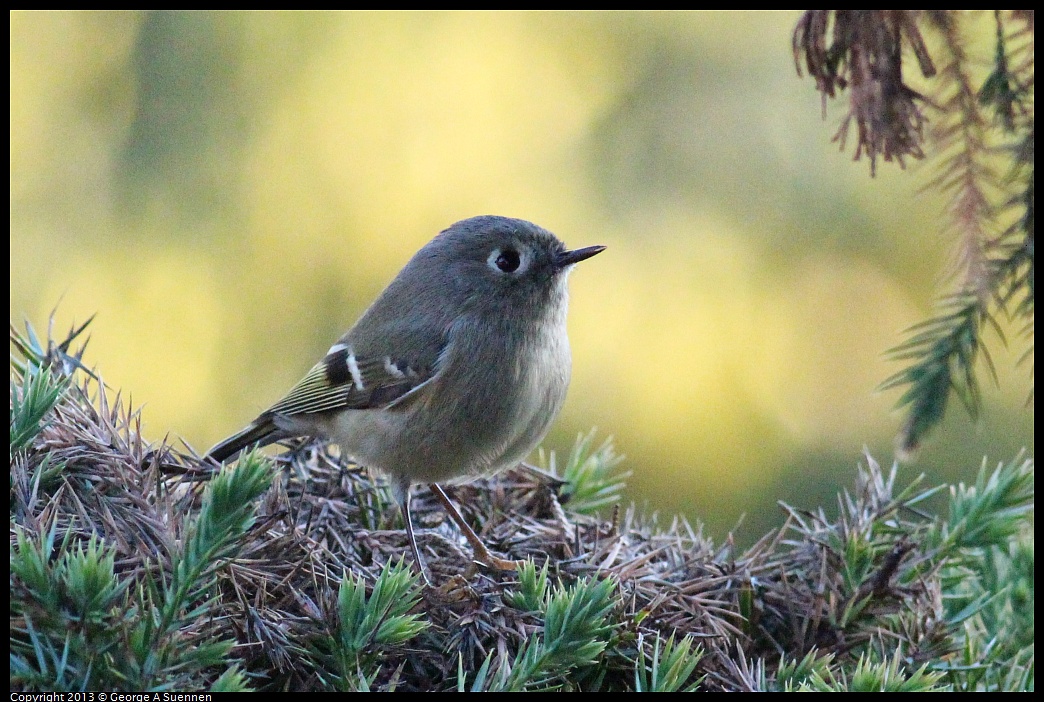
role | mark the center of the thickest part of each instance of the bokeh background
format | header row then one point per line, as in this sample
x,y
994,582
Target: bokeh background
x,y
228,191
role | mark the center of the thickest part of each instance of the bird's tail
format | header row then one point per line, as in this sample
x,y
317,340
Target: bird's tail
x,y
261,432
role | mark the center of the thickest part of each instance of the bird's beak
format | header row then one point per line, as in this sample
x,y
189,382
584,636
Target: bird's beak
x,y
568,258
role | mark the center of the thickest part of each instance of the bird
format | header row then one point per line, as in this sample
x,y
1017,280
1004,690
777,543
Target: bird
x,y
457,369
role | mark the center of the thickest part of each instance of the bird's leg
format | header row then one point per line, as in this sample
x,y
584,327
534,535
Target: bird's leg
x,y
482,554
401,490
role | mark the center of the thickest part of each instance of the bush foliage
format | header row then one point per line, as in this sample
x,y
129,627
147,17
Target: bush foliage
x,y
136,566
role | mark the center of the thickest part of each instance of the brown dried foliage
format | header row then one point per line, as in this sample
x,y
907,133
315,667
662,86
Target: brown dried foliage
x,y
982,135
784,596
861,50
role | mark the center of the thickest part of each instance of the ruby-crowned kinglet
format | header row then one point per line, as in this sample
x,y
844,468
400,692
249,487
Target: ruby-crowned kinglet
x,y
456,370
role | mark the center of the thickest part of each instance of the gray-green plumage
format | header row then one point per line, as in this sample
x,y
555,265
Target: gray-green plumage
x,y
458,368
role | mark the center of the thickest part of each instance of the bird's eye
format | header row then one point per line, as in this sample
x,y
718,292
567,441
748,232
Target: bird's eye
x,y
507,260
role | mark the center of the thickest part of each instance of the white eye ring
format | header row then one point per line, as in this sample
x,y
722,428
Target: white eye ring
x,y
509,260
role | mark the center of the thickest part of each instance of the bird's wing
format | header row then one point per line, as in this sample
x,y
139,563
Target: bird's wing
x,y
343,380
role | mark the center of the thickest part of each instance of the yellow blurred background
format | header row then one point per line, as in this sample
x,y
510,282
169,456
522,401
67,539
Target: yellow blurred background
x,y
228,192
